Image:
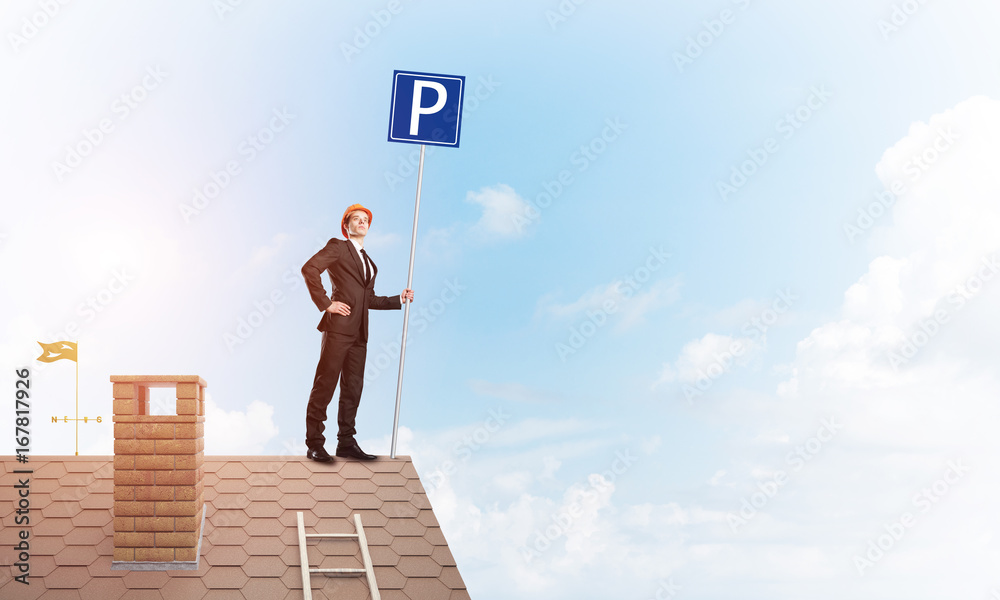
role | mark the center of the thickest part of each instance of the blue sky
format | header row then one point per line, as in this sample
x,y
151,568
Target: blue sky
x,y
566,366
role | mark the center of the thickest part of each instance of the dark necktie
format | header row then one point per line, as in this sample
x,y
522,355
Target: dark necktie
x,y
368,273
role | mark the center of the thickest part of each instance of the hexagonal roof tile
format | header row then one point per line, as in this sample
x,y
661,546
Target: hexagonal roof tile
x,y
92,517
263,494
327,478
232,486
389,578
358,486
229,518
425,587
389,480
55,526
383,556
61,509
85,536
296,486
442,554
405,527
451,578
233,470
234,556
227,577
259,510
418,566
384,464
231,501
264,527
329,494
228,536
399,510
67,578
264,587
332,510
250,545
294,470
105,588
354,469
357,501
426,518
411,546
263,566
145,579
400,494
189,588
297,502
265,546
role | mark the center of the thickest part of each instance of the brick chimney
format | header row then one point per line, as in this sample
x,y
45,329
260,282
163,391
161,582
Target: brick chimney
x,y
159,474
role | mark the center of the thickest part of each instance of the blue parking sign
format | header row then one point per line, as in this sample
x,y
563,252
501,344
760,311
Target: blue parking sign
x,y
426,108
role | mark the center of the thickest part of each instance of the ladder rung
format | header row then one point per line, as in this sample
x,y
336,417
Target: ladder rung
x,y
369,570
348,571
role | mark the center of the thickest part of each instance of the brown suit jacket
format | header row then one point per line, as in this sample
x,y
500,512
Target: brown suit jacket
x,y
343,265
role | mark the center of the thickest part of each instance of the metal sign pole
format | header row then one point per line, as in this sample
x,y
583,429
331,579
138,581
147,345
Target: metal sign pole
x,y
406,307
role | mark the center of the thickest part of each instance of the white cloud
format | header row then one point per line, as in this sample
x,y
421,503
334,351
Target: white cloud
x,y
709,358
930,292
238,431
627,307
502,207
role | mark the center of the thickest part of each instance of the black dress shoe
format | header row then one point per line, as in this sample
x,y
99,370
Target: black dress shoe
x,y
352,450
319,455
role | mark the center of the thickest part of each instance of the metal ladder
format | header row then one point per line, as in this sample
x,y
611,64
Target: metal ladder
x,y
365,557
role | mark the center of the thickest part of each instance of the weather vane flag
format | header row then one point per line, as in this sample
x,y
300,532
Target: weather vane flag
x,y
57,351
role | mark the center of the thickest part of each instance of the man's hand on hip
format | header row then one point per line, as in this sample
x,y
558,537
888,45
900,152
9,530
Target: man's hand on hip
x,y
339,308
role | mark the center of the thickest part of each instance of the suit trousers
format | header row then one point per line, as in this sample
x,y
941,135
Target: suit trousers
x,y
341,357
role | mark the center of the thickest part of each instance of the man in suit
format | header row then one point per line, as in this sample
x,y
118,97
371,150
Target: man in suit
x,y
345,331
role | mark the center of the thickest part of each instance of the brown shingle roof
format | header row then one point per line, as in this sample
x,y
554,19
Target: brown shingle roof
x,y
250,546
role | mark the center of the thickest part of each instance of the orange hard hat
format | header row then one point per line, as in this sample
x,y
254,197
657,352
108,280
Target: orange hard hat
x,y
347,213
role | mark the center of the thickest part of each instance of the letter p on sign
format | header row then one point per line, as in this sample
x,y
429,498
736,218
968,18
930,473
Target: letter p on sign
x,y
426,108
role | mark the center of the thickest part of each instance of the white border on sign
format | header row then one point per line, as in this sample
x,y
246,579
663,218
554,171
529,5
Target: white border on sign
x,y
458,120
